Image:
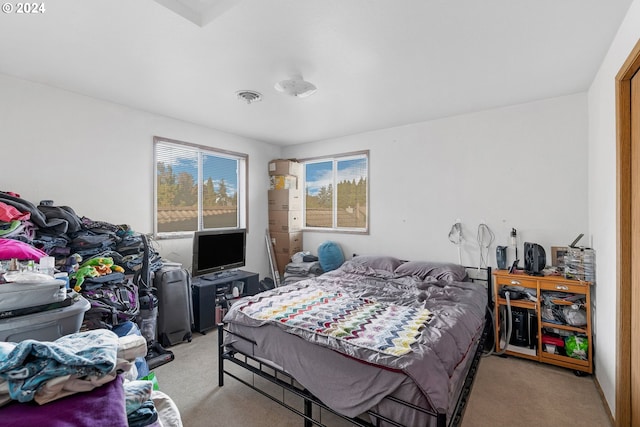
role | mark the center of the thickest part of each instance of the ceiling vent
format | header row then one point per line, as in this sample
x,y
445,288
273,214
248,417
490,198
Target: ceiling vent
x,y
249,96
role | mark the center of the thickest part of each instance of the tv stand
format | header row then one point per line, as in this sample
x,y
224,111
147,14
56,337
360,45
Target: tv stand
x,y
210,292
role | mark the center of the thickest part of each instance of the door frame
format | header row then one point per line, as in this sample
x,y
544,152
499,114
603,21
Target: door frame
x,y
623,415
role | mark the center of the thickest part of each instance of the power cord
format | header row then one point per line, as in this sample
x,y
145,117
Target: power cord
x,y
455,237
509,327
485,238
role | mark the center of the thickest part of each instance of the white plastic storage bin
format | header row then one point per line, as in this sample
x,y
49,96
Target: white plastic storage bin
x,y
46,325
15,295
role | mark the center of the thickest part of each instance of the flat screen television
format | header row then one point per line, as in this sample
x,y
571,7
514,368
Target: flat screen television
x,y
218,250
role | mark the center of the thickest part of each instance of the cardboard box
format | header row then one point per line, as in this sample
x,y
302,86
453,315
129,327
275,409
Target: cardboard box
x,y
285,200
285,167
282,260
285,221
286,243
283,182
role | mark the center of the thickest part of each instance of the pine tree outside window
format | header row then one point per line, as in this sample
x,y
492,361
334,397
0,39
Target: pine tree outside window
x,y
197,188
336,193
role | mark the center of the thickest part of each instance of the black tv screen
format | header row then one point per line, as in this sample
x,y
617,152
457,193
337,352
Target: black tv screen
x,y
218,250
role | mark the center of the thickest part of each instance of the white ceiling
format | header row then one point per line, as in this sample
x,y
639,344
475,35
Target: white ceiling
x,y
376,63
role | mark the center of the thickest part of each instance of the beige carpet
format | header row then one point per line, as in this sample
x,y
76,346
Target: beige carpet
x,y
512,391
507,392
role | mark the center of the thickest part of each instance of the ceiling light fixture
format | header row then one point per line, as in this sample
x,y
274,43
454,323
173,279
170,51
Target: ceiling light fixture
x,y
296,86
249,96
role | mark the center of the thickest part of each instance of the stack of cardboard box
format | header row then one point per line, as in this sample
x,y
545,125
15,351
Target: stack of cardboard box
x,y
285,210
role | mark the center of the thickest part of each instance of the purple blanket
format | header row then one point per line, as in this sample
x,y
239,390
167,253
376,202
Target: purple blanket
x,y
101,407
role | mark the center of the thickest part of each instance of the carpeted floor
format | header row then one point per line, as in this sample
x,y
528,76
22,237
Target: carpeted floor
x,y
506,392
512,391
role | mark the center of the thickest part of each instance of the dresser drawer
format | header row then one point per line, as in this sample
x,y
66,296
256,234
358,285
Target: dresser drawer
x,y
563,286
525,282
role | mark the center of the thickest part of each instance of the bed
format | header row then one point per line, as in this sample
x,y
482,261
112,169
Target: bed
x,y
379,341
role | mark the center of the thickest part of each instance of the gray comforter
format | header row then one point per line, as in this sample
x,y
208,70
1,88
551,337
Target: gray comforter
x,y
438,348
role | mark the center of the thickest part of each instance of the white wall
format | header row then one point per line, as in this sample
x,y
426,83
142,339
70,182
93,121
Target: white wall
x,y
97,157
524,166
602,196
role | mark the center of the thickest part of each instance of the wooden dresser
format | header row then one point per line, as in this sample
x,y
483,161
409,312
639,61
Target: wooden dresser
x,y
569,300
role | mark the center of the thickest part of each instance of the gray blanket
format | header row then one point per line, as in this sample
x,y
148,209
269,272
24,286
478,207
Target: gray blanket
x,y
443,343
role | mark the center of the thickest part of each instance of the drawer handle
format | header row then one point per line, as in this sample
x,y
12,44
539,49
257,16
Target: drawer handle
x,y
562,287
515,282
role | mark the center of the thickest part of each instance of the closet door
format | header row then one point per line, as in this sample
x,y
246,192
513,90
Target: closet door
x,y
635,249
627,408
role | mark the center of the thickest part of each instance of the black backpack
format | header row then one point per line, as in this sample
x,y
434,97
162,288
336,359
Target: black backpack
x,y
113,301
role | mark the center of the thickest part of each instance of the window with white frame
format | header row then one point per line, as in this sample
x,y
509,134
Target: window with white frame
x,y
197,187
337,192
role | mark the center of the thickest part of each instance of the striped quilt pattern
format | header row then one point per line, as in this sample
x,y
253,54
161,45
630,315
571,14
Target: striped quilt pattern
x,y
385,328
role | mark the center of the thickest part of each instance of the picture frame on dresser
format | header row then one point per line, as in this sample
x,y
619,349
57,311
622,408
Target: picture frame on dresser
x,y
557,256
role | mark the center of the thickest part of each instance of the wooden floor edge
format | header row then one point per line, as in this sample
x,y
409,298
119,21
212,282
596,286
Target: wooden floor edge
x,y
604,401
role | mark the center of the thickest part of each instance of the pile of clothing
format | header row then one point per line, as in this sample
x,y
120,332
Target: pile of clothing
x,y
302,266
94,371
59,232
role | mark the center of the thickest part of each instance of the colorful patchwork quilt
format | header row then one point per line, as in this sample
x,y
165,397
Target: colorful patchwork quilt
x,y
383,327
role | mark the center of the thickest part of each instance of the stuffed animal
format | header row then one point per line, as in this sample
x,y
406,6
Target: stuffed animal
x,y
80,274
104,265
94,267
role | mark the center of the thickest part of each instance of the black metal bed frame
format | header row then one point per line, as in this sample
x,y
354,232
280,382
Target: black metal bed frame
x,y
287,382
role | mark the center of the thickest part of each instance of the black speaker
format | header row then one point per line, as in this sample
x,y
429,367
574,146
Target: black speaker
x,y
501,257
535,258
520,327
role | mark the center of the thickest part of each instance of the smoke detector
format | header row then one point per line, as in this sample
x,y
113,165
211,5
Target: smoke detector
x,y
249,96
296,86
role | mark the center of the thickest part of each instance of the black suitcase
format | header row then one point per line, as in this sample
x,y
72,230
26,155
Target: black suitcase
x,y
175,311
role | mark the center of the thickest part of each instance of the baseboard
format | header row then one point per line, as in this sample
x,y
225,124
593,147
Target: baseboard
x,y
604,401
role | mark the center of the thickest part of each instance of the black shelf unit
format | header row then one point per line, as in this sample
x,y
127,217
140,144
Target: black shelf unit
x,y
209,291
